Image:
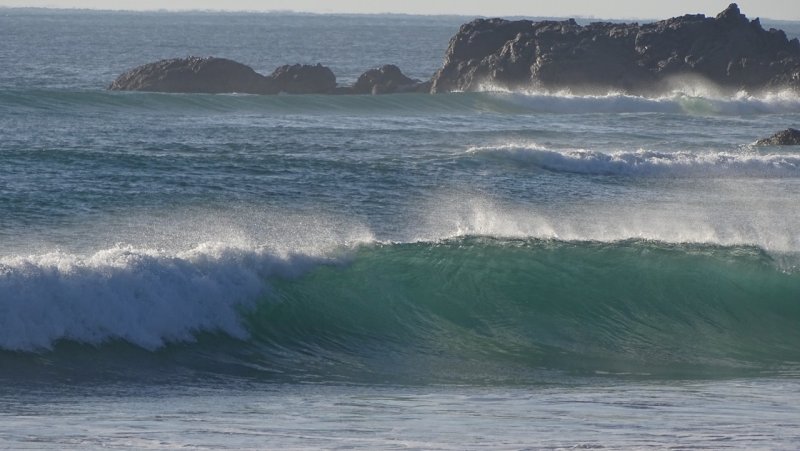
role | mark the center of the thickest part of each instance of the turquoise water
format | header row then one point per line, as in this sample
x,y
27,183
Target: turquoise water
x,y
497,270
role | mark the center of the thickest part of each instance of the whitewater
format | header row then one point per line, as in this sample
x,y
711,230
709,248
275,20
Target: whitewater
x,y
483,270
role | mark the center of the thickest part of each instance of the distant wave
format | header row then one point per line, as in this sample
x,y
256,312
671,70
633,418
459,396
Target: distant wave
x,y
490,101
646,162
697,102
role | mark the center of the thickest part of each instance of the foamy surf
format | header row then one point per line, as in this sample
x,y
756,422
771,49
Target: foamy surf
x,y
146,297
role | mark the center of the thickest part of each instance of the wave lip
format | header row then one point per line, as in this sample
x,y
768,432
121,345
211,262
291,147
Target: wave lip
x,y
646,163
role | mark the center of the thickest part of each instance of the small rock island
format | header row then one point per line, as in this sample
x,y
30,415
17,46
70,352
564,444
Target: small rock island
x,y
788,137
219,75
729,51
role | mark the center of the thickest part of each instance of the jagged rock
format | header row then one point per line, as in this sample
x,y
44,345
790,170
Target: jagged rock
x,y
728,50
303,79
788,137
193,75
386,79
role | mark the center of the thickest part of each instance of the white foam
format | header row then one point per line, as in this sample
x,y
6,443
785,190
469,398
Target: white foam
x,y
647,162
144,296
161,289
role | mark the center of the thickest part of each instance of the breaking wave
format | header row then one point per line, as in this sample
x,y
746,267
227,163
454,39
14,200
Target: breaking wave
x,y
647,162
434,308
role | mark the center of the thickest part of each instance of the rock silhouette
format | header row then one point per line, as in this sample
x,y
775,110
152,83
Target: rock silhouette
x,y
728,50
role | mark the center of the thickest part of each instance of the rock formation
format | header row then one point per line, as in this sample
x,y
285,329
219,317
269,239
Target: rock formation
x,y
219,75
728,50
788,137
303,79
387,79
193,75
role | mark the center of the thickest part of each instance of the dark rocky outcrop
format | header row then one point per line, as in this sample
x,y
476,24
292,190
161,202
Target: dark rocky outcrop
x,y
728,50
387,79
303,79
788,137
219,75
193,75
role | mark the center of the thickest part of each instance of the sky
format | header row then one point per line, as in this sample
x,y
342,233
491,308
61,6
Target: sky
x,y
614,9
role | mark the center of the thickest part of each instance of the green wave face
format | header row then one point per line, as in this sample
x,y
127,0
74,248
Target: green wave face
x,y
495,309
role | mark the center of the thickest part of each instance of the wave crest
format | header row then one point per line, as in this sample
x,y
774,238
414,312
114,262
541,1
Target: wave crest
x,y
417,308
694,100
490,100
142,296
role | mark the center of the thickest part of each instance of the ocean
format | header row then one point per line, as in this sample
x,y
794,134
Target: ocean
x,y
487,270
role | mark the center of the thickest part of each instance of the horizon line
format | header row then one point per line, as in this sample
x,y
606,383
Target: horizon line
x,y
342,13
294,11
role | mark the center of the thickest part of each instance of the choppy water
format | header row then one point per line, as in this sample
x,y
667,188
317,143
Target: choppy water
x,y
470,270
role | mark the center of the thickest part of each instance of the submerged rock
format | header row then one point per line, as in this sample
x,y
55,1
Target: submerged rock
x,y
728,50
788,137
